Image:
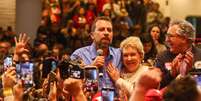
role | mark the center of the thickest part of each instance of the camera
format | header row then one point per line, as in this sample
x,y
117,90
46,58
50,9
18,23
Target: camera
x,y
49,64
71,68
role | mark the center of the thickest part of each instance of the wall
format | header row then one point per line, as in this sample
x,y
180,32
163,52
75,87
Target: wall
x,y
179,9
28,15
7,13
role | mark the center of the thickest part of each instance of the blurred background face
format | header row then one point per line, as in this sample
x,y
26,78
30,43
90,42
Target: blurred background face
x,y
155,33
147,47
106,12
4,48
131,59
103,33
81,11
25,57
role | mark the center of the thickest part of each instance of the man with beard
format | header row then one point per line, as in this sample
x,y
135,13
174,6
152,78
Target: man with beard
x,y
179,59
100,53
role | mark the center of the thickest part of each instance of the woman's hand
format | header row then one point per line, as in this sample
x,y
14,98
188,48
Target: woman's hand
x,y
113,72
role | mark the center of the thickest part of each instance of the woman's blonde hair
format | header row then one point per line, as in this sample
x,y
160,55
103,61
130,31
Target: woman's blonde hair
x,y
133,42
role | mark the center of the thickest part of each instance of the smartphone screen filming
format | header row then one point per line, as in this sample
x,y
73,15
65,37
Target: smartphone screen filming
x,y
91,78
91,73
25,73
7,62
107,94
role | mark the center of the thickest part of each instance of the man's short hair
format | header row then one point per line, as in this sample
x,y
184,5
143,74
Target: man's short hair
x,y
184,89
93,27
185,28
133,42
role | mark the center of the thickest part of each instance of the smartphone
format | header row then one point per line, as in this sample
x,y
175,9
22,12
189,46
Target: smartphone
x,y
8,61
91,78
91,73
49,65
53,65
75,71
24,72
107,94
196,75
198,80
70,69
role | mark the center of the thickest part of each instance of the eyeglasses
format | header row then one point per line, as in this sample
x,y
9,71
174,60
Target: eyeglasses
x,y
168,35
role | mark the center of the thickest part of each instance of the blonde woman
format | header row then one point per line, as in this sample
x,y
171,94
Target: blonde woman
x,y
132,56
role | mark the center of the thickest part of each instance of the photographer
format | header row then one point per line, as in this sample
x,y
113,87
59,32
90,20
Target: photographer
x,y
22,72
11,90
70,88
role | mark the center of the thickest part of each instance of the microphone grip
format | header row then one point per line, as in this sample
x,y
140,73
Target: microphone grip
x,y
100,72
100,53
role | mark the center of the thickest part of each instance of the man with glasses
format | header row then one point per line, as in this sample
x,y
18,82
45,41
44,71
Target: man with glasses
x,y
181,54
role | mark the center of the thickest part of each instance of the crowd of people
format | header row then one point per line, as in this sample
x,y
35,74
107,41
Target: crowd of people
x,y
69,21
122,72
85,51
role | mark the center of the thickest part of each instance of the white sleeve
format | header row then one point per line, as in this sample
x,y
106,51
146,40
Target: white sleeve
x,y
123,84
9,98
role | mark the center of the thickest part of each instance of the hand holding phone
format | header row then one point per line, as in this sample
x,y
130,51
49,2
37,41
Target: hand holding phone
x,y
49,64
52,77
8,62
25,73
91,73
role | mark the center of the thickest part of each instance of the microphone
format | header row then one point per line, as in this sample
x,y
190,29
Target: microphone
x,y
100,69
100,52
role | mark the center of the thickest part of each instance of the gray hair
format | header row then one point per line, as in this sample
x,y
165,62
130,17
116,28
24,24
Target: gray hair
x,y
133,42
185,28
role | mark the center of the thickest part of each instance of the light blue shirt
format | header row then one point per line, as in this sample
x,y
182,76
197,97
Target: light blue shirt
x,y
89,53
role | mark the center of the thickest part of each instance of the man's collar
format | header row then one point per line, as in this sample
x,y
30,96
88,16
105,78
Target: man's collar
x,y
93,52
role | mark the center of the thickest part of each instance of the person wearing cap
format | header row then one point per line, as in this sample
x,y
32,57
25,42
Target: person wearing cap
x,y
178,60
